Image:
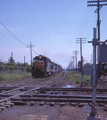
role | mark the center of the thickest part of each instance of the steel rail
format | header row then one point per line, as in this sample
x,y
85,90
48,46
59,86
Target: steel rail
x,y
57,100
69,89
65,96
57,96
8,88
26,88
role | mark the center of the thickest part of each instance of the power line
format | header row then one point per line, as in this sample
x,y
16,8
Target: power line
x,y
99,6
31,45
104,23
12,34
35,52
8,39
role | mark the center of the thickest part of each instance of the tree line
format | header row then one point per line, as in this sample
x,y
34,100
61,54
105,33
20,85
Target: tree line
x,y
11,65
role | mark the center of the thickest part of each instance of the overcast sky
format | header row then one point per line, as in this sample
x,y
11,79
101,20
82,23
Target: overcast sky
x,y
51,25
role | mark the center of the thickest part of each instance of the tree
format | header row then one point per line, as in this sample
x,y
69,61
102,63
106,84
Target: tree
x,y
11,60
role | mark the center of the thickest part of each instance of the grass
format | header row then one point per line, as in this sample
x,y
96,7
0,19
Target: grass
x,y
6,76
77,77
14,76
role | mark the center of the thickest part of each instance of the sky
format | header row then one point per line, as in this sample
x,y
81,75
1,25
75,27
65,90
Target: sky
x,y
52,26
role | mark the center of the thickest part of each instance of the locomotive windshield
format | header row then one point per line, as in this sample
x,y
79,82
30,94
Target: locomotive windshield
x,y
37,59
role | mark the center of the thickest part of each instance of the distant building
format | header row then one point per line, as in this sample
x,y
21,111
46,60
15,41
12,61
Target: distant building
x,y
87,68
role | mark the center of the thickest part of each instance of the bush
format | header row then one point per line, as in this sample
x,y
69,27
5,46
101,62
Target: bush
x,y
12,77
77,77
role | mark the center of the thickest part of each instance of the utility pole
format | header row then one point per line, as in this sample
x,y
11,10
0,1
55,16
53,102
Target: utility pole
x,y
30,46
99,4
11,58
24,61
81,40
73,61
76,52
70,66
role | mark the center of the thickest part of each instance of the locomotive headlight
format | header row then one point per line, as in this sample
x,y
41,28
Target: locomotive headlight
x,y
39,56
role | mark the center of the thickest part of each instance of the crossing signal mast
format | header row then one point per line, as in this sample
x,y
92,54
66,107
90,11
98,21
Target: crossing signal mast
x,y
96,42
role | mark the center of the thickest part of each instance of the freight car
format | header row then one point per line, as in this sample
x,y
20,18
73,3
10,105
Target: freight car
x,y
43,67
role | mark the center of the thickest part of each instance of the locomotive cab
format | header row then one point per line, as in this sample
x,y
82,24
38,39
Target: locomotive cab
x,y
38,67
41,66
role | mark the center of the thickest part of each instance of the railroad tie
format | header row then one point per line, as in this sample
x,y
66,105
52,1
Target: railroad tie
x,y
73,104
90,104
18,102
80,104
32,103
42,103
51,92
105,109
35,92
56,92
106,106
2,108
64,92
9,103
1,104
52,103
7,106
97,92
38,92
62,104
85,92
101,104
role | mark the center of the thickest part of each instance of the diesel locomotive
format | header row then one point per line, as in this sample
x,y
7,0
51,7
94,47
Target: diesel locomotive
x,y
43,67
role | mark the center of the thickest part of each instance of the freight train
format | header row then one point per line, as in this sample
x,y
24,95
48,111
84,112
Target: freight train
x,y
43,67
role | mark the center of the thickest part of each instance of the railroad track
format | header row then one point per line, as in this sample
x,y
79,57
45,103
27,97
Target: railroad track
x,y
6,98
47,93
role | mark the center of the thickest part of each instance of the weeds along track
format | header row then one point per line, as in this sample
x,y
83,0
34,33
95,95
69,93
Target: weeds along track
x,y
19,83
